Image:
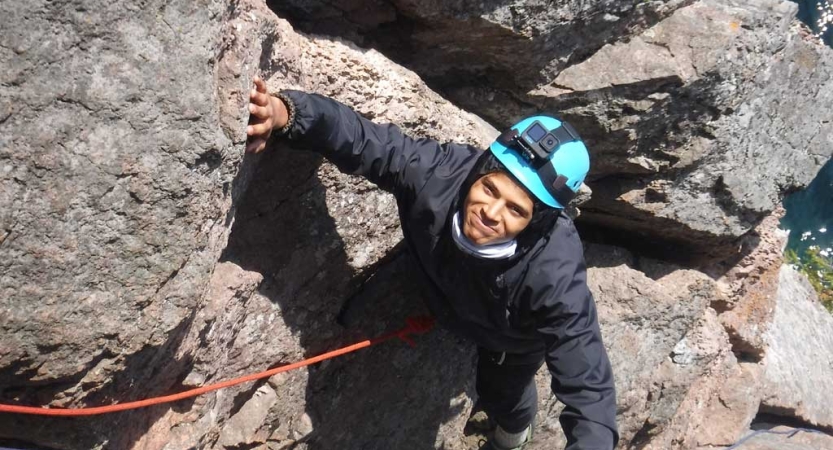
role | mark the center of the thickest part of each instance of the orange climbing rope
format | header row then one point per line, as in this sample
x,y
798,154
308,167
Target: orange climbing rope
x,y
414,325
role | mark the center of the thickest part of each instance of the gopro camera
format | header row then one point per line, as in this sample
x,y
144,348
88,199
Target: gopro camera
x,y
538,141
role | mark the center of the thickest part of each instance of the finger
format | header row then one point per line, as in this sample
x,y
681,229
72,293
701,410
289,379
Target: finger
x,y
260,85
256,145
259,111
258,129
259,99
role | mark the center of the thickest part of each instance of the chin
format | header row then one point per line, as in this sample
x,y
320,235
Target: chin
x,y
494,241
480,239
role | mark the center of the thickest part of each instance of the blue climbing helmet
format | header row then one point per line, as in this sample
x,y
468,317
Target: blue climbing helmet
x,y
547,156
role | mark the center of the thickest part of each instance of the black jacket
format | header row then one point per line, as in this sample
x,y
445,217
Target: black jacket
x,y
534,302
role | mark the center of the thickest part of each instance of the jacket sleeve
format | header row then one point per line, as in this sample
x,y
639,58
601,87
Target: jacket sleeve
x,y
379,152
582,378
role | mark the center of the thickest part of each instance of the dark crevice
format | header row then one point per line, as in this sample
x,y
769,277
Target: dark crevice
x,y
354,304
203,333
209,161
135,197
676,244
744,351
244,446
15,444
109,190
170,277
751,355
304,187
266,66
72,101
244,396
7,233
771,416
720,306
642,437
42,392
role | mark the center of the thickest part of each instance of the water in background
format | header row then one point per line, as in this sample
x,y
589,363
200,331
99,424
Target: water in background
x,y
813,13
810,214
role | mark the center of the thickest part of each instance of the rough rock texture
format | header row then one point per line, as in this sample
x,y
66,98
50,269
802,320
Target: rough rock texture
x,y
335,233
672,97
115,184
142,254
516,42
799,360
722,398
750,288
710,89
643,322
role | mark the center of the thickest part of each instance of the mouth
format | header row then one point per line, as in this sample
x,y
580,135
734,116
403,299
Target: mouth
x,y
482,227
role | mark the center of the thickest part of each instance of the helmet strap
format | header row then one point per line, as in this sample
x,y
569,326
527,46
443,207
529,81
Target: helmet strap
x,y
556,184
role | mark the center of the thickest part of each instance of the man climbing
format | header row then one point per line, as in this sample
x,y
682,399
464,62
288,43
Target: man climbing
x,y
504,265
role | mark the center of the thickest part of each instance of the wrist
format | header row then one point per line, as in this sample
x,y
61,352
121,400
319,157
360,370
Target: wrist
x,y
281,112
284,113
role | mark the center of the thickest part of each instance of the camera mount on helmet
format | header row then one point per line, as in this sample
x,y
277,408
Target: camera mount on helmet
x,y
536,145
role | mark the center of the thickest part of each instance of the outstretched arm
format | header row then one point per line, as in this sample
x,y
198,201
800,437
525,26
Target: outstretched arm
x,y
379,152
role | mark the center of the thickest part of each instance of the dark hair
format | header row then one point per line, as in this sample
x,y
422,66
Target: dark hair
x,y
544,217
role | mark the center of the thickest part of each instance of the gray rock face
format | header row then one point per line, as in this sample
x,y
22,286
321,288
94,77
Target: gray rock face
x,y
693,106
114,183
511,42
644,321
116,179
799,361
242,427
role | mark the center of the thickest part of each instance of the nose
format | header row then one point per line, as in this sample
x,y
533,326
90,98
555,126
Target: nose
x,y
492,211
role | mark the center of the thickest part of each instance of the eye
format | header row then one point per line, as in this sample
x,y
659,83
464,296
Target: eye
x,y
516,211
489,189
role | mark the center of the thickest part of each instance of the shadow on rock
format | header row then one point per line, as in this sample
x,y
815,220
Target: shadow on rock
x,y
386,396
150,372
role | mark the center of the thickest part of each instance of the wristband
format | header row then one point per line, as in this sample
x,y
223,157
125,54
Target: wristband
x,y
290,110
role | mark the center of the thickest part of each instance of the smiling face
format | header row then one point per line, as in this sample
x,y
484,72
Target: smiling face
x,y
496,209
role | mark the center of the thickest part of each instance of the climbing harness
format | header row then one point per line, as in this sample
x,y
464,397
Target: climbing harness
x,y
414,325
